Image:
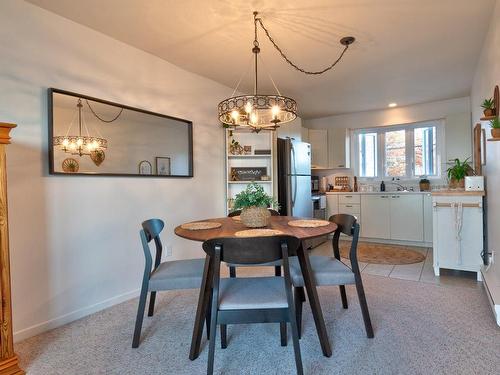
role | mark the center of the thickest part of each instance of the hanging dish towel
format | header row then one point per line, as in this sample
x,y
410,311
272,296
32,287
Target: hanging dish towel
x,y
458,211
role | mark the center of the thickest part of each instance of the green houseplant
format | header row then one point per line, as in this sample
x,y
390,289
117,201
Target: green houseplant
x,y
495,127
457,172
489,107
254,203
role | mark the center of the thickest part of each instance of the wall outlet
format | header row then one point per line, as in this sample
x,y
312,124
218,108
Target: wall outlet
x,y
168,249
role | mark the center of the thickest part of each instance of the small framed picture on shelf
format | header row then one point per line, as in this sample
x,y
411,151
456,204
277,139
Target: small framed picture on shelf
x,y
247,173
247,150
145,167
162,166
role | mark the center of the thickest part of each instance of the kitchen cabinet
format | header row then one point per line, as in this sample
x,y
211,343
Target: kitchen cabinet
x,y
427,217
458,232
338,149
318,138
406,217
376,211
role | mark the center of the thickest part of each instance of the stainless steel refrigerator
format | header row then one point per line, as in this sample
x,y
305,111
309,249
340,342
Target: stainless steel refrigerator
x,y
294,178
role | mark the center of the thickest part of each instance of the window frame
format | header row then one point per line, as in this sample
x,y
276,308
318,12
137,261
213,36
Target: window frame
x,y
409,147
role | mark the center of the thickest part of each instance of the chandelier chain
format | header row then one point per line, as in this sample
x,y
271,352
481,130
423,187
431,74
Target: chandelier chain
x,y
103,120
285,57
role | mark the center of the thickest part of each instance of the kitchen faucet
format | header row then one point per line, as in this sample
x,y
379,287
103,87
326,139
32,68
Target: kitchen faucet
x,y
400,187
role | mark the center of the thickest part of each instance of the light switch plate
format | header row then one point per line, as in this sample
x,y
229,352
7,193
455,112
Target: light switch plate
x,y
474,183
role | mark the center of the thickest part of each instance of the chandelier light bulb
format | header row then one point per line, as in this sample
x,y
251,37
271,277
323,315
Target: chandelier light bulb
x,y
235,115
275,110
79,142
253,118
248,107
65,142
72,146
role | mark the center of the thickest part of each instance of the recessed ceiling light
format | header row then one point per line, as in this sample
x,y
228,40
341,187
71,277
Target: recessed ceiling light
x,y
392,105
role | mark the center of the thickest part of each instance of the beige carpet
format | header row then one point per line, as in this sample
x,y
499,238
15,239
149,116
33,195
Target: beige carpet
x,y
382,254
419,329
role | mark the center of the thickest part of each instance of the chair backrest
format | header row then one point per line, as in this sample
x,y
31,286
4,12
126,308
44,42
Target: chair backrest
x,y
345,223
238,212
251,250
151,230
348,225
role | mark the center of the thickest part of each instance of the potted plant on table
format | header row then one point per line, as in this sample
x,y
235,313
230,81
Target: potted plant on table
x,y
495,127
457,172
254,203
488,107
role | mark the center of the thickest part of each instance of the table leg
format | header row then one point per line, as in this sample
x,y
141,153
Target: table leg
x,y
312,293
201,310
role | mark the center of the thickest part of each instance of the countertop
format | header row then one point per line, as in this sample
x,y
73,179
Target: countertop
x,y
376,192
458,192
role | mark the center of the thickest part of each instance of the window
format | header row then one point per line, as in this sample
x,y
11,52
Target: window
x,y
403,151
368,155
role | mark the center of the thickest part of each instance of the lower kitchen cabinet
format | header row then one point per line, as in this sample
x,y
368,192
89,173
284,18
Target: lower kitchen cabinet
x,y
406,217
376,216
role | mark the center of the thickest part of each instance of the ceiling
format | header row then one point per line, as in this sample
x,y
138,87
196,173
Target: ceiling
x,y
407,51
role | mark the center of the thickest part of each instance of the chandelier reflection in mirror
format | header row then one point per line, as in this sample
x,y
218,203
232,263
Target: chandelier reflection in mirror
x,y
266,112
82,143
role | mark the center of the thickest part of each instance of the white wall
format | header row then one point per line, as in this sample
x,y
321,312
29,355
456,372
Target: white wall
x,y
455,112
486,77
75,240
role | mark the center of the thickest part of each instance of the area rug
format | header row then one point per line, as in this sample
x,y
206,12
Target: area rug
x,y
382,254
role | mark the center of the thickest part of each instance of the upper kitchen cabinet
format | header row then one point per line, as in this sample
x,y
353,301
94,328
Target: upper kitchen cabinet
x,y
329,148
318,138
338,148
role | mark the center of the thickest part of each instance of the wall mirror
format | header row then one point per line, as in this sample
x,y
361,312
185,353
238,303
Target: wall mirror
x,y
96,137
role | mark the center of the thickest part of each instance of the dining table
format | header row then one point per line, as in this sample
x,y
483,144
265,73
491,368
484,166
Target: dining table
x,y
228,228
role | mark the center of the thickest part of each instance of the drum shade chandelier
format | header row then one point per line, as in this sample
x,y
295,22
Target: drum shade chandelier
x,y
80,144
260,111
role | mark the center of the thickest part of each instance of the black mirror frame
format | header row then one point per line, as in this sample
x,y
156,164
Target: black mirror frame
x,y
51,91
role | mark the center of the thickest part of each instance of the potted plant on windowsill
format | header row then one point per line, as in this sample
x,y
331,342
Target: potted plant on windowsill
x,y
457,172
495,127
254,203
424,184
488,107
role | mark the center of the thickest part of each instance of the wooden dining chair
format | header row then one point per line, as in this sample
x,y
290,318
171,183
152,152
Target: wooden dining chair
x,y
254,299
178,274
332,271
276,265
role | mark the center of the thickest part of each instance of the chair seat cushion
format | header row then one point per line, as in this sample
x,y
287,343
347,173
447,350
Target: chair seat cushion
x,y
326,271
273,264
178,274
252,293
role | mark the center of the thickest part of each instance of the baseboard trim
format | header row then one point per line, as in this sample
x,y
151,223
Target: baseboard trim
x,y
495,306
72,316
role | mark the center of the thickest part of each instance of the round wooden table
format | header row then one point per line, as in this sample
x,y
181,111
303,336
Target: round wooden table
x,y
230,226
228,229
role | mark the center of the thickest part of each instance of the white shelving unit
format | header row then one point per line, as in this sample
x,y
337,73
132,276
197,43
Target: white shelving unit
x,y
260,141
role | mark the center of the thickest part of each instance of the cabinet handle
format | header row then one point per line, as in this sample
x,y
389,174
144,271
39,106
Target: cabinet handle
x,y
348,205
393,196
384,196
341,165
348,196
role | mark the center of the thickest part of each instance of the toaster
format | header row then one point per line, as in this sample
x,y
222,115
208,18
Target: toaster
x,y
474,183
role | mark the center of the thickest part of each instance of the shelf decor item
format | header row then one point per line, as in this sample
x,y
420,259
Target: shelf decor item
x,y
247,150
254,203
70,165
495,128
248,173
235,147
266,112
488,107
457,172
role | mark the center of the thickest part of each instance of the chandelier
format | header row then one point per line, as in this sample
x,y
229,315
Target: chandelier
x,y
80,144
260,111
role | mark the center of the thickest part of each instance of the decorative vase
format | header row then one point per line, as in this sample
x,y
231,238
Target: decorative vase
x,y
495,132
255,217
457,184
488,112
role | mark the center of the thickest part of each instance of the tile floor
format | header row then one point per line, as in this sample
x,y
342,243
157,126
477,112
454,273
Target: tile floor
x,y
422,272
